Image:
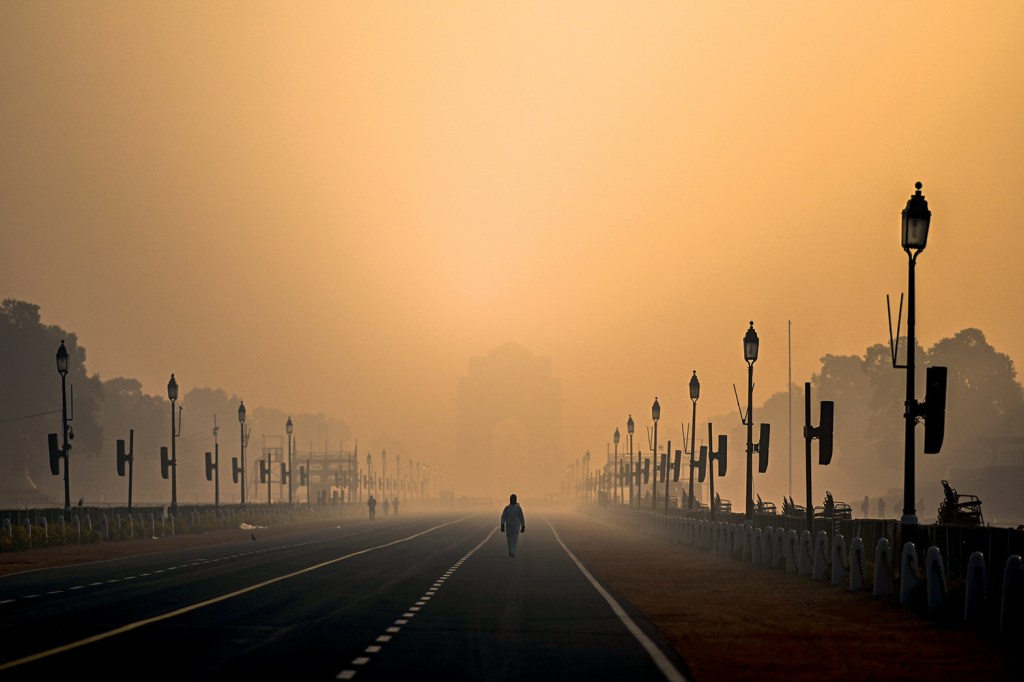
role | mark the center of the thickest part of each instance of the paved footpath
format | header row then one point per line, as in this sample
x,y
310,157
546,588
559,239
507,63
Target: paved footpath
x,y
730,620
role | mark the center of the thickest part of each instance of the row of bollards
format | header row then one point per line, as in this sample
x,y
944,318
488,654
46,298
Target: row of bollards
x,y
821,560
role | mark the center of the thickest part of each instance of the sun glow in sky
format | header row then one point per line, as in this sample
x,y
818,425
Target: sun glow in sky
x,y
330,207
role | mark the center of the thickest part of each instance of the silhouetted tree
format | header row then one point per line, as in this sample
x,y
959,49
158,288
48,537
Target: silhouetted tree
x,y
31,400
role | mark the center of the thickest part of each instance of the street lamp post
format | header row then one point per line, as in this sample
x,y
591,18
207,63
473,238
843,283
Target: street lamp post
x,y
241,441
666,469
694,395
586,475
750,346
369,474
288,427
916,220
269,475
655,415
618,475
216,466
172,394
62,369
629,430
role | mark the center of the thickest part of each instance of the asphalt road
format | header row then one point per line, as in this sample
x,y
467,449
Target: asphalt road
x,y
416,597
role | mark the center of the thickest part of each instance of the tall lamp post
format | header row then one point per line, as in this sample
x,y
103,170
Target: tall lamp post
x,y
629,430
62,369
172,395
216,466
586,475
269,475
369,474
916,220
750,346
241,441
618,474
288,427
655,415
694,395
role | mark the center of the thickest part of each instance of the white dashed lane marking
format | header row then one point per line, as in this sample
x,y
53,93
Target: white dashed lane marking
x,y
349,673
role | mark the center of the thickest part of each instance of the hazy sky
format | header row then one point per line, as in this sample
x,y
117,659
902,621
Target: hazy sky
x,y
331,206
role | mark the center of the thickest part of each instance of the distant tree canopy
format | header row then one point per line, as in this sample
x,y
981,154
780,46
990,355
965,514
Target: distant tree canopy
x,y
30,403
983,398
106,411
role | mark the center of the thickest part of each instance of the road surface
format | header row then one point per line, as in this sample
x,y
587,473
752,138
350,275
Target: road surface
x,y
415,597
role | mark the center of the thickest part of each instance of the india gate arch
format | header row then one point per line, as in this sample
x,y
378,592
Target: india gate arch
x,y
509,437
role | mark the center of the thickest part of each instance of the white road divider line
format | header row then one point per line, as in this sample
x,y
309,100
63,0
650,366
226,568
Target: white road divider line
x,y
660,659
208,602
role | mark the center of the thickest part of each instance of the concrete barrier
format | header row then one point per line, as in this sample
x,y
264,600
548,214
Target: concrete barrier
x,y
820,566
858,576
935,579
883,569
804,557
1011,611
977,586
839,562
908,573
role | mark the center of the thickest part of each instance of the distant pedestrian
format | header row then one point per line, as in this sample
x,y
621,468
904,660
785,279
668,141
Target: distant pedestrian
x,y
865,507
395,505
512,523
387,505
372,505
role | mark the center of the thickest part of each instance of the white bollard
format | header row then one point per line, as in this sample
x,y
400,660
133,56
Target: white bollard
x,y
1013,595
838,560
857,575
755,546
935,575
767,542
803,554
820,565
977,578
883,569
778,555
908,573
789,549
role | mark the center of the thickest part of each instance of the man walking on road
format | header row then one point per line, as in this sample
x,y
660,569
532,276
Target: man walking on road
x,y
372,504
512,523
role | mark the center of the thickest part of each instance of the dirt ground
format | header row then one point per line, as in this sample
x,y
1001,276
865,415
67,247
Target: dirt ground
x,y
728,619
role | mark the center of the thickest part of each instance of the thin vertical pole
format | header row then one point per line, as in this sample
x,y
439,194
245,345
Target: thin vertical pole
x,y
909,513
807,454
665,469
749,505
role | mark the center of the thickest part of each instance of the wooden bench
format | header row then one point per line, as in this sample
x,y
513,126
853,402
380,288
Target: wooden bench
x,y
832,509
790,508
959,508
765,507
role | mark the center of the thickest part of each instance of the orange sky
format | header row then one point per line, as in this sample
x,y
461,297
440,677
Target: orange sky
x,y
329,207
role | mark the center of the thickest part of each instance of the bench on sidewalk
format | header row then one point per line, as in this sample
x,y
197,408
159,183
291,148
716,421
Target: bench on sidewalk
x,y
765,507
832,509
959,508
790,508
